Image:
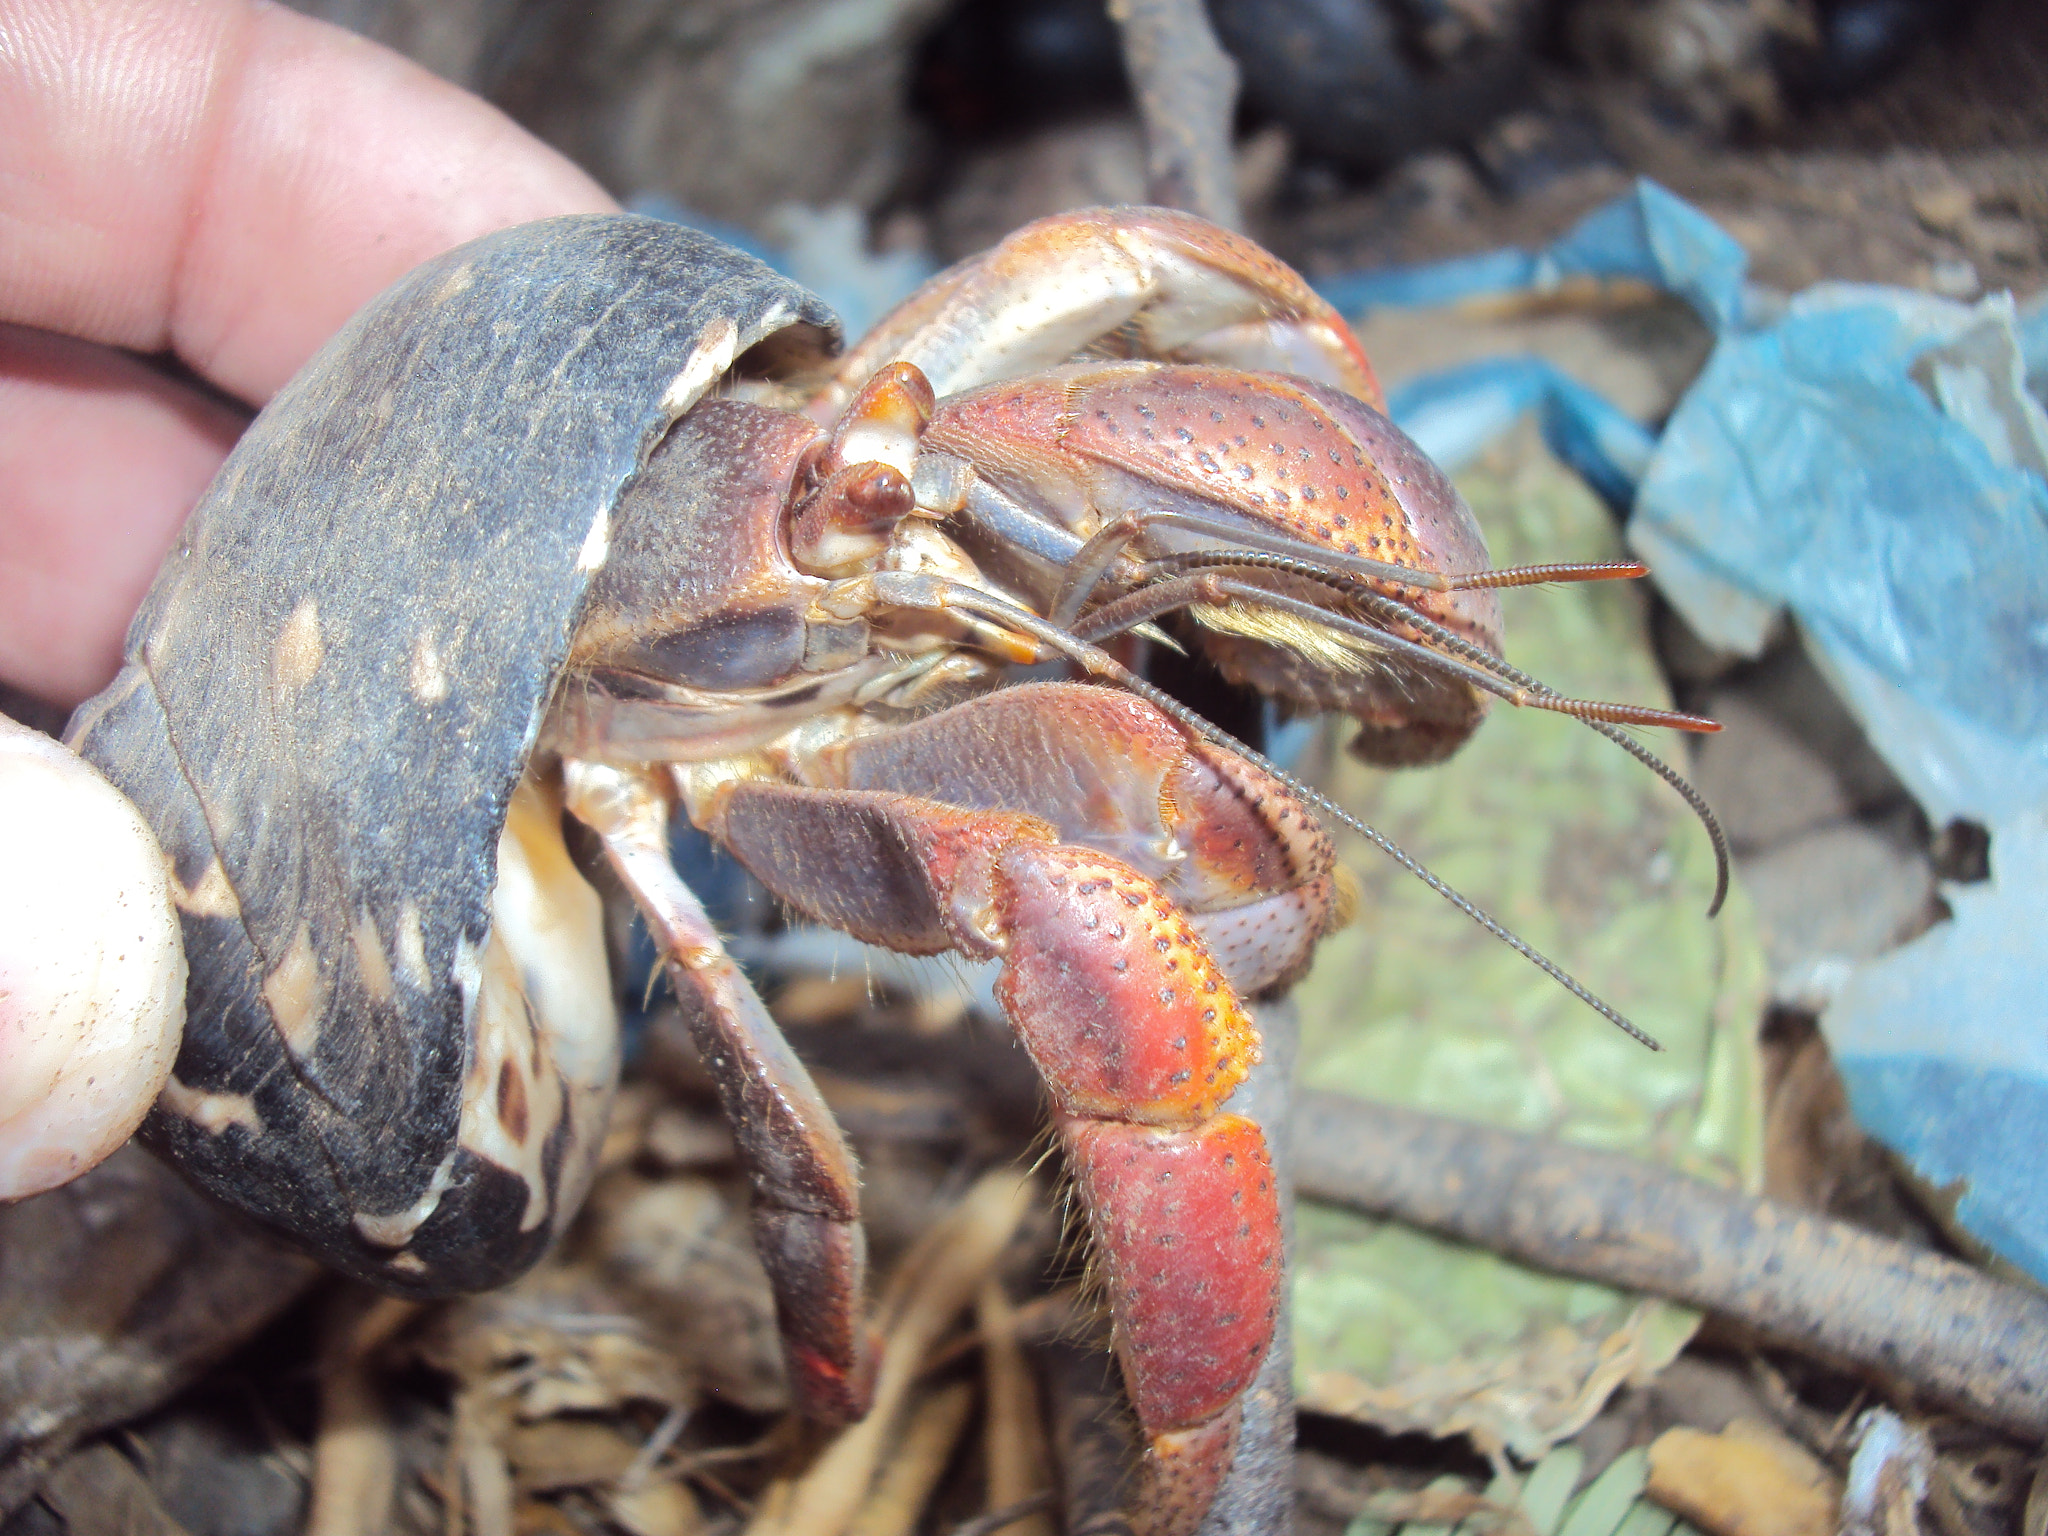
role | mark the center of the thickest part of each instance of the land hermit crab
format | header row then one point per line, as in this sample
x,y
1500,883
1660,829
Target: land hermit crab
x,y
580,519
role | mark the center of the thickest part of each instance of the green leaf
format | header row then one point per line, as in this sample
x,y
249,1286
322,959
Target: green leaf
x,y
1578,848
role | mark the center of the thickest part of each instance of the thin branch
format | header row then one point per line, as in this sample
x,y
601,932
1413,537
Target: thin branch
x,y
1923,1320
1186,87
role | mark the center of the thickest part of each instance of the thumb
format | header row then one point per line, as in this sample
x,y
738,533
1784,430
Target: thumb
x,y
92,969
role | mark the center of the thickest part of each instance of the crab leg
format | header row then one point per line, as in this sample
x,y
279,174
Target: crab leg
x,y
999,849
1152,281
806,1189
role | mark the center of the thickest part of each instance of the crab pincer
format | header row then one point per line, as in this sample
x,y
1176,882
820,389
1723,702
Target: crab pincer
x,y
1092,875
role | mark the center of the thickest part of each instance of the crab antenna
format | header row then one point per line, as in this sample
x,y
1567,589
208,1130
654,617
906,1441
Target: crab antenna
x,y
956,594
1088,564
1215,583
1597,716
1537,575
1457,643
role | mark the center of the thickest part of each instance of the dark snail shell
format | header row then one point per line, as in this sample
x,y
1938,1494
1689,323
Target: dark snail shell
x,y
329,699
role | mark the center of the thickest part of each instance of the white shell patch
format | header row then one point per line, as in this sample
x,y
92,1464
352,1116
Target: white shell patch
x,y
395,1230
299,649
712,355
412,948
213,1113
429,676
371,962
208,896
297,995
543,1030
597,544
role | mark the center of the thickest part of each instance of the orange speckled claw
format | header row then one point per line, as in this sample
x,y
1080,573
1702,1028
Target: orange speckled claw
x,y
1174,284
1094,844
1181,1475
1114,992
1188,1227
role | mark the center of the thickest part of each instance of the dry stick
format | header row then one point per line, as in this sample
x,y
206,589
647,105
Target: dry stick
x,y
1006,1518
1937,1326
1187,94
355,1452
896,1502
944,1270
1013,1432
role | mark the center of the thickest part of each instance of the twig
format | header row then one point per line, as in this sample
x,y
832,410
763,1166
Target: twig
x,y
1002,1519
1019,1464
1257,1495
1935,1325
1186,87
1095,1439
917,1460
355,1451
935,1284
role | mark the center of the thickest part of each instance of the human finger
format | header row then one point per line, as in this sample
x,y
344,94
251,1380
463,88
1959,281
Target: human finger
x,y
224,180
229,180
92,968
100,457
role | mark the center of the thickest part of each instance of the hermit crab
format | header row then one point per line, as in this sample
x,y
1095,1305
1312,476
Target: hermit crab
x,y
581,521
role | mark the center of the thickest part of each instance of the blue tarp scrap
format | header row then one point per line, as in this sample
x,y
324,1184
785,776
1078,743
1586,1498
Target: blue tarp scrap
x,y
1647,236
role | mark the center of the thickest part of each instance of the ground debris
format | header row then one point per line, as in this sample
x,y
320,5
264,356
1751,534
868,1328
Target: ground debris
x,y
1749,1480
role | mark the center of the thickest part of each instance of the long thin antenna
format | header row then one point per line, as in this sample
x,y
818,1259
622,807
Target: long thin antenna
x,y
1392,611
930,592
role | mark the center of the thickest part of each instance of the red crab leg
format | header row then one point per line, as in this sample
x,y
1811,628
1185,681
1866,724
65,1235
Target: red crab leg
x,y
1166,283
1128,1012
806,1202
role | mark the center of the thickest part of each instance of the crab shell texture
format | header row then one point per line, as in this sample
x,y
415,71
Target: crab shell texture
x,y
401,1042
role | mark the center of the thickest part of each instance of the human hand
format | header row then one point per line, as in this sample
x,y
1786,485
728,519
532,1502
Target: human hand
x,y
225,181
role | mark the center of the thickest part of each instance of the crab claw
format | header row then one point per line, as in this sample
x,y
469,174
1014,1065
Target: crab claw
x,y
1135,885
1152,282
1194,458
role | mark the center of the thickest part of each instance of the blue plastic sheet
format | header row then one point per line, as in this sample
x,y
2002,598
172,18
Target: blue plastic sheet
x,y
1815,466
1872,460
1456,413
1648,236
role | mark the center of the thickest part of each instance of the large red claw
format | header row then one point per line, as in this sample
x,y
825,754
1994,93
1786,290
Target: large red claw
x,y
1188,1227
